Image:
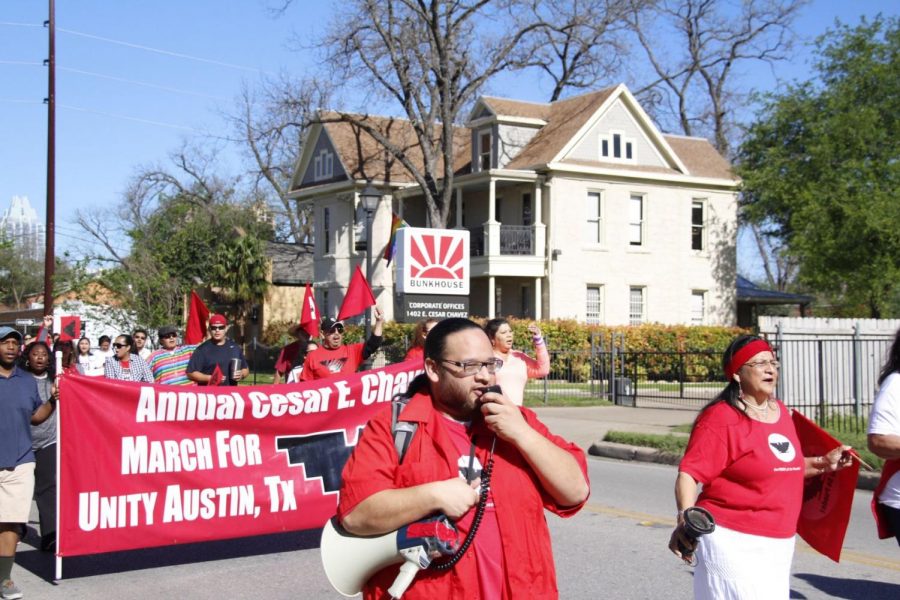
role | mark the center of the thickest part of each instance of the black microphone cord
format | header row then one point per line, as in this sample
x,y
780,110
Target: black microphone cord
x,y
476,519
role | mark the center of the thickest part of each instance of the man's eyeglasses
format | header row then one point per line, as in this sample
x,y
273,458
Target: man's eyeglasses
x,y
761,364
168,335
216,327
117,346
473,367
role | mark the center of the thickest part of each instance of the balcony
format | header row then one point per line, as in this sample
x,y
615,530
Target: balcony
x,y
507,250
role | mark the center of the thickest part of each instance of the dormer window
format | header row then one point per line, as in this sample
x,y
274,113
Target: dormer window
x,y
324,165
484,150
614,146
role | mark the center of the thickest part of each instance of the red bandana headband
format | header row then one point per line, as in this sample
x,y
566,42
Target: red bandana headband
x,y
741,357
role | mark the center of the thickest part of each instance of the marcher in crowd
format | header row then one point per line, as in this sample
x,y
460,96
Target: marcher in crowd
x,y
518,367
104,347
43,442
417,348
884,441
20,408
219,351
125,364
169,363
745,451
139,336
462,429
333,357
67,352
89,362
296,369
288,357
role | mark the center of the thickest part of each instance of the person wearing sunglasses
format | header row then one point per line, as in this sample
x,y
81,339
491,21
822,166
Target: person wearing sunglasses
x,y
217,351
169,363
333,356
745,452
124,364
467,435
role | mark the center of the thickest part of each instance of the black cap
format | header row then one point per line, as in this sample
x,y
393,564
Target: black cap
x,y
166,330
328,324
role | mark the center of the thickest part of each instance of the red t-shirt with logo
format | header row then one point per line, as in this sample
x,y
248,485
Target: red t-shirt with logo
x,y
752,472
487,546
322,362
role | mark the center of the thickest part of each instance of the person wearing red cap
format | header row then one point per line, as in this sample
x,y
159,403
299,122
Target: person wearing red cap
x,y
217,351
745,451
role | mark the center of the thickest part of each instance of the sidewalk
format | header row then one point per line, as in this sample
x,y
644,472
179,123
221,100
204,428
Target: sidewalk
x,y
586,426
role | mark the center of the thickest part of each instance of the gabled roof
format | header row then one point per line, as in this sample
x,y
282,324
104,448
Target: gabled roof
x,y
747,291
292,264
363,157
565,118
505,107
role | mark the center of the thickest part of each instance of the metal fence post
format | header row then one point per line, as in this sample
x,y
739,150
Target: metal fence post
x,y
779,343
591,367
681,376
821,364
255,360
857,371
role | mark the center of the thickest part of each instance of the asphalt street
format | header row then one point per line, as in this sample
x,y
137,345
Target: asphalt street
x,y
614,548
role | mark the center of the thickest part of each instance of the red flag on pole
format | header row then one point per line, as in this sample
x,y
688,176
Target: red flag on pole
x,y
69,328
359,296
827,498
198,314
309,314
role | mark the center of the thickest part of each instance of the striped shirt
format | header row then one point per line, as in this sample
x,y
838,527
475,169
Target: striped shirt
x,y
169,367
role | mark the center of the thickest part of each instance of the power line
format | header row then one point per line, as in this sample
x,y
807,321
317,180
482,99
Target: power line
x,y
21,62
11,24
164,52
142,83
127,118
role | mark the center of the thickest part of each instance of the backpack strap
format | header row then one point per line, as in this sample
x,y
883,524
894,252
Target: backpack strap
x,y
403,431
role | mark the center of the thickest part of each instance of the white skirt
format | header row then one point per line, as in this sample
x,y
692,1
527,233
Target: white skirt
x,y
739,566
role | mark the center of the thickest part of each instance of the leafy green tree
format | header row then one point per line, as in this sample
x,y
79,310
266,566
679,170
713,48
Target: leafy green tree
x,y
820,169
241,271
19,274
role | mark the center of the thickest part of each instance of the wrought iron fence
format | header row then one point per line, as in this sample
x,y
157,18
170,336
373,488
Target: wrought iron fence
x,y
830,380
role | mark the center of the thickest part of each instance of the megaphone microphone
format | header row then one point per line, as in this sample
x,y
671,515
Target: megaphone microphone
x,y
350,560
697,522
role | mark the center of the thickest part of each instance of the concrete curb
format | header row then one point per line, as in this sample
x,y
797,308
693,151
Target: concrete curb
x,y
866,481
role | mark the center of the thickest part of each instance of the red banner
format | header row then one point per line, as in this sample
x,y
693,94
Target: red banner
x,y
152,465
827,498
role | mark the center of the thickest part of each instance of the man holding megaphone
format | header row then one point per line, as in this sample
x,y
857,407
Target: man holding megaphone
x,y
474,457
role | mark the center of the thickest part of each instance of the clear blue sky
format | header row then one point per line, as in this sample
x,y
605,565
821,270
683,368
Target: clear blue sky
x,y
120,107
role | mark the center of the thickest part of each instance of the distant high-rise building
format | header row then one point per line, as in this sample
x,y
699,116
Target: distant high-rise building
x,y
21,225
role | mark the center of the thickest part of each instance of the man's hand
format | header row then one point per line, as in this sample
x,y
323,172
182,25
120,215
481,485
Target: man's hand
x,y
379,315
455,497
48,322
503,417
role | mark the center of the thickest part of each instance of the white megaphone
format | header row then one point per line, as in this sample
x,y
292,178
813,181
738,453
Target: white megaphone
x,y
350,560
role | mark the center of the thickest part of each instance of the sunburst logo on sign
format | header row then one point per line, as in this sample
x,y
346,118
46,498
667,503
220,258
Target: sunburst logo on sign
x,y
433,261
435,256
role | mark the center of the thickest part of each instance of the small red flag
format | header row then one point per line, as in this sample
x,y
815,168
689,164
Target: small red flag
x,y
827,498
216,377
69,328
198,314
309,314
359,296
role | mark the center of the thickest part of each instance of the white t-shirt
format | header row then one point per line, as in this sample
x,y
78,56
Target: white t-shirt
x,y
885,420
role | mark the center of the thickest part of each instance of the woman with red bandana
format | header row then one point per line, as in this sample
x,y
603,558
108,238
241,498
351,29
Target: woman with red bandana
x,y
744,450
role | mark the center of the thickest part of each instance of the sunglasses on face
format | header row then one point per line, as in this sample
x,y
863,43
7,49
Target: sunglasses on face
x,y
168,335
216,327
117,346
337,328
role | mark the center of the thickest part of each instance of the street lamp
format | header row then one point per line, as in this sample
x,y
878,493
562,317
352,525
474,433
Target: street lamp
x,y
369,197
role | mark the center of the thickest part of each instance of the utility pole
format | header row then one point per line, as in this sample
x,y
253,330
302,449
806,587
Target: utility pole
x,y
50,229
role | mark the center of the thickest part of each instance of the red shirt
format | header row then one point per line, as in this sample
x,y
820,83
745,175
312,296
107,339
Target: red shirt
x,y
752,472
322,362
519,499
415,352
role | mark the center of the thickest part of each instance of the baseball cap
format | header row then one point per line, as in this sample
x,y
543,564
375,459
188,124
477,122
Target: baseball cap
x,y
328,324
218,319
6,332
166,330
